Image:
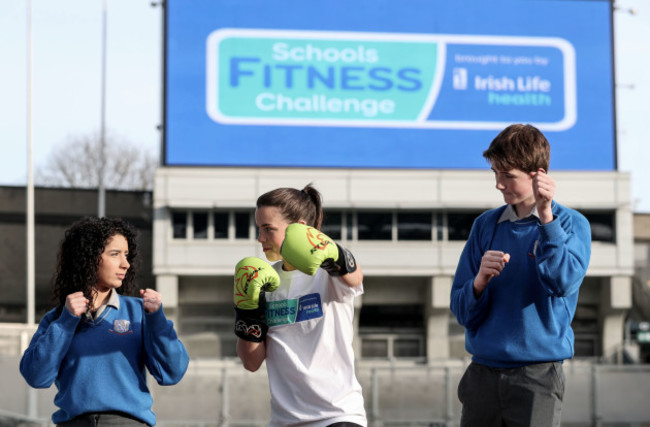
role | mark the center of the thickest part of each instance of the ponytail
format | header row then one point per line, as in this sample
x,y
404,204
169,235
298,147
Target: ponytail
x,y
315,197
296,205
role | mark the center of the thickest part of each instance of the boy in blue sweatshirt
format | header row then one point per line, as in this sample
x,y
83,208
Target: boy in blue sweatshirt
x,y
516,289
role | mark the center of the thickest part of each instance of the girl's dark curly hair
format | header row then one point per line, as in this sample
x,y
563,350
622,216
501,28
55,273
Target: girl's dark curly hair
x,y
80,254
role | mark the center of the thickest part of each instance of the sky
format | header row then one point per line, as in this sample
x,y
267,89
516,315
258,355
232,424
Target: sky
x,y
67,70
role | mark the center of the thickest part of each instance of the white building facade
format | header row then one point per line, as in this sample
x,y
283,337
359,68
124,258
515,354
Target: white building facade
x,y
406,229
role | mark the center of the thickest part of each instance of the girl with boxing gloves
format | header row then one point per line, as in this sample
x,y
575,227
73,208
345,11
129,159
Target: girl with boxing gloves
x,y
297,314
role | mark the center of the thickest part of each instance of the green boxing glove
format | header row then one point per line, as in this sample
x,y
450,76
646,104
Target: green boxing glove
x,y
253,277
307,249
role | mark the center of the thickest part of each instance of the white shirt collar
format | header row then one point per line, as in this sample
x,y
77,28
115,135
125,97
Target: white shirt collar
x,y
510,214
113,301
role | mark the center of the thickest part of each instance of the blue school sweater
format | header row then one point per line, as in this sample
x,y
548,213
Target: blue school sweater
x,y
99,365
524,315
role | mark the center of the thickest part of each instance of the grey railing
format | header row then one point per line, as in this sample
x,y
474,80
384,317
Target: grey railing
x,y
221,393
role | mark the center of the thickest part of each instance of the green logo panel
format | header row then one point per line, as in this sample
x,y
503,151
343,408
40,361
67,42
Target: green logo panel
x,y
281,312
324,79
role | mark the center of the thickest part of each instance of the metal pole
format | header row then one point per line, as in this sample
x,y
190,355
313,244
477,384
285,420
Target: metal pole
x,y
101,204
32,397
374,398
595,416
30,176
449,397
225,399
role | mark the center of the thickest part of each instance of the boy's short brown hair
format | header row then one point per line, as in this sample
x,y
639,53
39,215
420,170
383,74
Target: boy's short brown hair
x,y
521,147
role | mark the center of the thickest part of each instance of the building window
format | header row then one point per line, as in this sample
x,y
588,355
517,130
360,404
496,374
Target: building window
x,y
372,347
585,330
179,225
459,224
220,220
414,226
440,229
392,346
374,225
392,331
349,226
200,225
602,225
390,226
242,225
408,346
388,317
332,225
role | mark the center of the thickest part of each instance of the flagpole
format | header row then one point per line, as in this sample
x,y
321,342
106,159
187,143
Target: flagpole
x,y
101,204
32,396
30,175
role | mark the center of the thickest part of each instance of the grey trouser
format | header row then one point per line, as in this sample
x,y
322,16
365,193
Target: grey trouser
x,y
102,419
528,396
344,424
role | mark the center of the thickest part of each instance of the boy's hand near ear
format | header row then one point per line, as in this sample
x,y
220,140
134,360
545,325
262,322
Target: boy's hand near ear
x,y
544,191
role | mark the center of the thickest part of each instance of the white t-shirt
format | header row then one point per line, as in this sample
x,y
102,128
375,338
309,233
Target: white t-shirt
x,y
309,356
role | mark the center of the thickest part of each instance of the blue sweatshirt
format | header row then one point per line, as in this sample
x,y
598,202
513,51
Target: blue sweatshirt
x,y
99,365
524,315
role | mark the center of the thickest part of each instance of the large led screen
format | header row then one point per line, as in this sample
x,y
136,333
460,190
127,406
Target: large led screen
x,y
421,84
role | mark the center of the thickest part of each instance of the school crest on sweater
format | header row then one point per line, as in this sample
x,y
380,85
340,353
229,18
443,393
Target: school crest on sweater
x,y
121,326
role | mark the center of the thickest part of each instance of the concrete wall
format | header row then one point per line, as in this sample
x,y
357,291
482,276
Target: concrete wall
x,y
211,393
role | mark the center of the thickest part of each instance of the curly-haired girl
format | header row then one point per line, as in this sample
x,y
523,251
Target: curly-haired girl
x,y
96,343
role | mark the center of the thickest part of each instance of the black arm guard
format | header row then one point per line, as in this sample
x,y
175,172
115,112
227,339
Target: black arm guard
x,y
344,265
250,325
